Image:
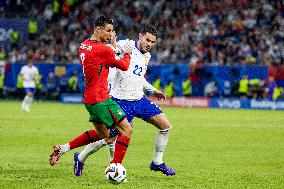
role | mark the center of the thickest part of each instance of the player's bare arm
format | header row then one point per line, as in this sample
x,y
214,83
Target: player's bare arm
x,y
113,39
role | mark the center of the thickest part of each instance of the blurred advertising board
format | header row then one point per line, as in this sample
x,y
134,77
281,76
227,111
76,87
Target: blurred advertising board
x,y
193,102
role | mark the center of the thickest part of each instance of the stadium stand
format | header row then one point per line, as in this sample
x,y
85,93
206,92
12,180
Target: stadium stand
x,y
194,32
213,32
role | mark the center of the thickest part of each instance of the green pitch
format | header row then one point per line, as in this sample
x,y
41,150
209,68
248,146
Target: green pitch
x,y
209,148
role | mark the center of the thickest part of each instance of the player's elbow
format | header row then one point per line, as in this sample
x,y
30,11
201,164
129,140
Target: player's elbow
x,y
125,68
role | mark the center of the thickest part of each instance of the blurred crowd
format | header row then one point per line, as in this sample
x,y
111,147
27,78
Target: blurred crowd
x,y
222,32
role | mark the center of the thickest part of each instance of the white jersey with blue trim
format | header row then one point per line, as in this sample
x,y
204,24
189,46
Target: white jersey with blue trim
x,y
29,76
130,84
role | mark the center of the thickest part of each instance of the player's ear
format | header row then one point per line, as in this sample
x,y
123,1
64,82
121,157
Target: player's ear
x,y
139,36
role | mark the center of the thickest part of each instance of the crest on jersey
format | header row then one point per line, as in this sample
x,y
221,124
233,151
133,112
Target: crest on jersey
x,y
119,112
147,59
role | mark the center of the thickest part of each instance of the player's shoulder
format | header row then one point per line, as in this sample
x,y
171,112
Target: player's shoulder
x,y
24,67
125,42
107,48
89,45
110,45
34,67
84,45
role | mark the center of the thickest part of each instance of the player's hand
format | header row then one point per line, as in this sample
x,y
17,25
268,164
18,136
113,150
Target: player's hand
x,y
159,95
113,39
128,49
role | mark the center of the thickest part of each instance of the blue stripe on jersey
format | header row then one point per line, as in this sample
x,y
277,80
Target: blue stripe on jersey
x,y
136,45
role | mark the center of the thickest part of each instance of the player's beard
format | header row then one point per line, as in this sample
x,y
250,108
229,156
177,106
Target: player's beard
x,y
145,50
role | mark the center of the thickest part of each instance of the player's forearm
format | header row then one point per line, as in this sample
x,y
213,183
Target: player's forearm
x,y
124,63
148,87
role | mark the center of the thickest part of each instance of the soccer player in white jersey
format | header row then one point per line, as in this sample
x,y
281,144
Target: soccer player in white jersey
x,y
127,90
29,73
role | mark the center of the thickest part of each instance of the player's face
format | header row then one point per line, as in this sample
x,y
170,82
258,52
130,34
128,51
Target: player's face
x,y
105,32
146,42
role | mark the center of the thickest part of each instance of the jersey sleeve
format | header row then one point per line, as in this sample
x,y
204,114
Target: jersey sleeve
x,y
114,60
120,46
112,47
147,86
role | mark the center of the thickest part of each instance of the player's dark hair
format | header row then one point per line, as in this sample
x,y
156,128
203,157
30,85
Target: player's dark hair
x,y
103,21
149,29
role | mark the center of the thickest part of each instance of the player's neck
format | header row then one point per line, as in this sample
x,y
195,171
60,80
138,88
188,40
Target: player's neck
x,y
138,45
139,48
95,38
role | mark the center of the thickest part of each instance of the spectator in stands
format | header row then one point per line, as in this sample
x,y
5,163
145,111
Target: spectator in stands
x,y
281,94
195,77
55,10
20,87
244,87
38,82
269,88
3,54
256,88
234,75
33,28
157,83
186,87
48,13
63,84
52,87
14,38
40,91
169,89
1,85
227,91
73,82
278,93
200,32
210,89
219,32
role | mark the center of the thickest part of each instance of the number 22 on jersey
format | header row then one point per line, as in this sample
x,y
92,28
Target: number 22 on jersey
x,y
137,70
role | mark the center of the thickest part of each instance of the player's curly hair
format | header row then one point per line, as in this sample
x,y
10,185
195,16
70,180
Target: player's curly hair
x,y
149,29
103,21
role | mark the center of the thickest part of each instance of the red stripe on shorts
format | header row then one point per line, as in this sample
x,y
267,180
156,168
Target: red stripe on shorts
x,y
113,117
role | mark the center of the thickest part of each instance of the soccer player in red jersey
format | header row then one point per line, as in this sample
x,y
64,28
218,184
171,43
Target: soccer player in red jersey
x,y
95,58
133,102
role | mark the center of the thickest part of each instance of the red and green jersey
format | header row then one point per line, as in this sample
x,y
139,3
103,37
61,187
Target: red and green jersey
x,y
95,59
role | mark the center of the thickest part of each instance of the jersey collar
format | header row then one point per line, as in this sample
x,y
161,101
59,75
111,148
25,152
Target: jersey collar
x,y
145,54
136,45
94,41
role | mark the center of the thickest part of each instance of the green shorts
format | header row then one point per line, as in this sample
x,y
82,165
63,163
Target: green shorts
x,y
107,112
